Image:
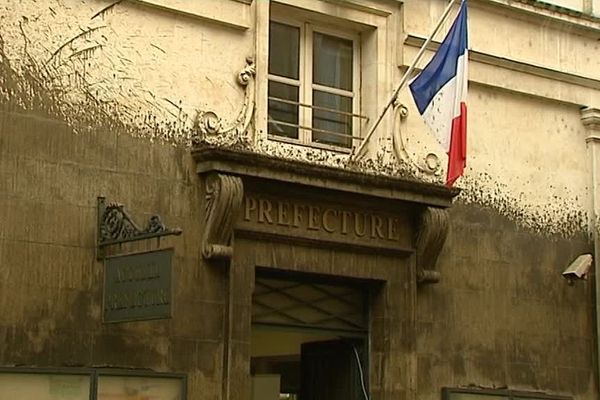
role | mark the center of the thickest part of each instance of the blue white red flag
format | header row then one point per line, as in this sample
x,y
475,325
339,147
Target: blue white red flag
x,y
440,92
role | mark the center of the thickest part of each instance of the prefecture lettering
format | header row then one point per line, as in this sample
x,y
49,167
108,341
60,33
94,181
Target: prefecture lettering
x,y
315,218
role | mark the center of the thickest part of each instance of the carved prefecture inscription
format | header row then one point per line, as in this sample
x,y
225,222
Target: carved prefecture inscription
x,y
322,221
138,286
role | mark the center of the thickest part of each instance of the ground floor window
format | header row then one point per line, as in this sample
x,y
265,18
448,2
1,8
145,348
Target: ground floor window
x,y
309,339
494,394
89,384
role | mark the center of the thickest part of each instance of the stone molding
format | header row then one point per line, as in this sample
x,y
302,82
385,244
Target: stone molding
x,y
224,195
568,18
513,65
233,14
226,170
250,164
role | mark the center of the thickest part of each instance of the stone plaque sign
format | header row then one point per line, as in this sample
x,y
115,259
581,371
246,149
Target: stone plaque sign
x,y
137,286
325,222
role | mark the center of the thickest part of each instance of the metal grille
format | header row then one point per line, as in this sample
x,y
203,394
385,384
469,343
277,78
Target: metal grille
x,y
348,137
311,305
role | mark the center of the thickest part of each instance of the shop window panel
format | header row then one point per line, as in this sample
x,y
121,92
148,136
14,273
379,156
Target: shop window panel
x,y
136,387
41,386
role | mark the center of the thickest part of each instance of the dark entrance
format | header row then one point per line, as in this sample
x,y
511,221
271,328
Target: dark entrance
x,y
332,370
309,338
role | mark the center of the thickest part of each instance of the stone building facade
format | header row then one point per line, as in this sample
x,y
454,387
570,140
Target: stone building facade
x,y
285,265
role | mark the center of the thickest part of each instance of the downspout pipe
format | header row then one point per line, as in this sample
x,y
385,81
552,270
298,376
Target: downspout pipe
x,y
590,118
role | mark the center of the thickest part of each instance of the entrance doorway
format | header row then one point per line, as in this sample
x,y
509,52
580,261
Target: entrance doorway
x,y
309,338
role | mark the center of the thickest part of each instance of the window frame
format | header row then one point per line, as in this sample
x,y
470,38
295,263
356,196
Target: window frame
x,y
511,394
95,373
307,29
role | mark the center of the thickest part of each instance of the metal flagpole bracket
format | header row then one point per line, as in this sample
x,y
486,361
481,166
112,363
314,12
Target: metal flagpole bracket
x,y
115,226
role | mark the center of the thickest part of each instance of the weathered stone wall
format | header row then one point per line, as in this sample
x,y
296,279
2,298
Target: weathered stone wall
x,y
502,315
50,282
532,69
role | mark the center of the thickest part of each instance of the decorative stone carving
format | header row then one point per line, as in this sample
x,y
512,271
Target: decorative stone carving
x,y
430,165
223,203
431,236
210,125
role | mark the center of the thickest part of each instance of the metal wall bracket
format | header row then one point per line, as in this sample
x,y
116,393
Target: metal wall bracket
x,y
115,226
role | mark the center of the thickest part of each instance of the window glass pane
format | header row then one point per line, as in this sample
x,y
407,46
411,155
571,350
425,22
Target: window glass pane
x,y
44,386
331,120
332,61
279,111
136,387
284,46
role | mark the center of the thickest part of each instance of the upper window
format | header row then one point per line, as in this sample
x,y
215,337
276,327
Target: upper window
x,y
313,85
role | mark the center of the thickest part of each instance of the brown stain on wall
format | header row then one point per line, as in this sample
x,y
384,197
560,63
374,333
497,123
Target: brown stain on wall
x,y
500,307
561,217
502,315
51,286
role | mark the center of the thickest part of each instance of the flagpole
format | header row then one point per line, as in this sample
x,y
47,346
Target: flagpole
x,y
405,78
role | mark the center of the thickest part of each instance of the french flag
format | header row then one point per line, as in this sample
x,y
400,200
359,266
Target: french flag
x,y
440,93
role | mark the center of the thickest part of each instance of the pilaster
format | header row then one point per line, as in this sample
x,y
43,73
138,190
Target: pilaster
x,y
590,118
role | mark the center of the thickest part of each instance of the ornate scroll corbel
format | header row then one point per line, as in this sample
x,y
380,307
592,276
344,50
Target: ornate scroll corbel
x,y
223,203
430,240
430,165
209,124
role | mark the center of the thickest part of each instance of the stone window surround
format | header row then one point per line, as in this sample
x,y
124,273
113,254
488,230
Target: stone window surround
x,y
375,22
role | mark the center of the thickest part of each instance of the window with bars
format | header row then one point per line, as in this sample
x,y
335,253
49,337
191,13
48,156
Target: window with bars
x,y
314,83
312,305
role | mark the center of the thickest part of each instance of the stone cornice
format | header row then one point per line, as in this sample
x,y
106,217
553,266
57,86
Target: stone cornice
x,y
515,65
249,164
570,19
559,9
233,14
522,77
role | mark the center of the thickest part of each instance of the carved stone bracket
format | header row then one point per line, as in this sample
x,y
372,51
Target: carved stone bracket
x,y
430,240
116,226
223,203
210,125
